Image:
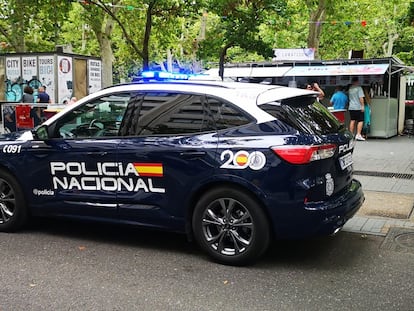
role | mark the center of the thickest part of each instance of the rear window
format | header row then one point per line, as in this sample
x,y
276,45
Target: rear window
x,y
304,114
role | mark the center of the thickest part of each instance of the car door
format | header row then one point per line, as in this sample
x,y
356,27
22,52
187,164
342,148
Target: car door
x,y
75,171
167,152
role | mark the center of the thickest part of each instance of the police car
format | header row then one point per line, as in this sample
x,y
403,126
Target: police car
x,y
232,165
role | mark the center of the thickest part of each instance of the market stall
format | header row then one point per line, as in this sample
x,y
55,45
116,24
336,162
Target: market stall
x,y
380,78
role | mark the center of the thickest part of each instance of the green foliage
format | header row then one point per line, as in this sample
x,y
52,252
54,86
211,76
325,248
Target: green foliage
x,y
78,33
361,25
239,22
199,30
32,25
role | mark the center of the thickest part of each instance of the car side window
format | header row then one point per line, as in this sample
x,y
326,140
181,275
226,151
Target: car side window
x,y
167,113
226,115
98,118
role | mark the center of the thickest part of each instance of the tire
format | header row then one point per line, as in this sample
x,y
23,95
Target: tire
x,y
231,227
13,210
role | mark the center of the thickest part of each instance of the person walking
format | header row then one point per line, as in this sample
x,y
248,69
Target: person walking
x,y
356,108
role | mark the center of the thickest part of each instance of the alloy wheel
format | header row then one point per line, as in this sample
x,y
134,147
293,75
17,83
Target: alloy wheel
x,y
227,226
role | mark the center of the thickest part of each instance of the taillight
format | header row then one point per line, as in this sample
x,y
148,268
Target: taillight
x,y
301,154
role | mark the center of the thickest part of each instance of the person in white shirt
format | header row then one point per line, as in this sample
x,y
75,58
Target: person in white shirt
x,y
356,108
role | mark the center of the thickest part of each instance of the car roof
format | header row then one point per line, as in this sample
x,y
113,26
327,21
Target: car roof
x,y
264,93
248,96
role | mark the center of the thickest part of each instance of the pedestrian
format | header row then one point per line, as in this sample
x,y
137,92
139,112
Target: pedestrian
x,y
28,98
9,118
367,114
356,108
73,100
27,95
339,99
42,96
314,86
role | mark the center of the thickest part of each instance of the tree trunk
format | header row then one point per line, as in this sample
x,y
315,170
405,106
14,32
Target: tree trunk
x,y
388,46
147,36
223,54
104,35
315,26
107,58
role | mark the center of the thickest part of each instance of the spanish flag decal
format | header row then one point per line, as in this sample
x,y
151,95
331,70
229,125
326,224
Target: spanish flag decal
x,y
242,159
149,169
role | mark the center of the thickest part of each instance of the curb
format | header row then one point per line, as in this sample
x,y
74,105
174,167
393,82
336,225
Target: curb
x,y
375,225
382,211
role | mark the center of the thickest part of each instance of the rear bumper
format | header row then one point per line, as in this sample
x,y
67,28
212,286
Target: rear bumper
x,y
334,214
323,218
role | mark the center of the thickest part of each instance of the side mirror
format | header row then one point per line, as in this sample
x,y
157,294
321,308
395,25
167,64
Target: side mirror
x,y
41,132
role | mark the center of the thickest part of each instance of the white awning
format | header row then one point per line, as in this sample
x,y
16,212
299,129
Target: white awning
x,y
338,70
252,72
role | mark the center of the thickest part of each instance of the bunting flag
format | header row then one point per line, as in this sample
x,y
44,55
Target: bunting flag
x,y
363,23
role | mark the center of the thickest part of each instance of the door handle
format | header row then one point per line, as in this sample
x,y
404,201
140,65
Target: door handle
x,y
97,154
193,154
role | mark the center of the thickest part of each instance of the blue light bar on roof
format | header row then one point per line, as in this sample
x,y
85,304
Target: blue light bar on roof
x,y
163,75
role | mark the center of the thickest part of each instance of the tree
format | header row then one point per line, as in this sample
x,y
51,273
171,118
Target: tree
x,y
32,25
132,34
126,15
239,25
404,46
101,19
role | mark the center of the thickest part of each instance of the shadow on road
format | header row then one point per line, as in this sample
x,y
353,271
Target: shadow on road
x,y
323,253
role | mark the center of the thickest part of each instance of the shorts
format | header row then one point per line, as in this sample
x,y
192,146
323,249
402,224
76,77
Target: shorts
x,y
356,115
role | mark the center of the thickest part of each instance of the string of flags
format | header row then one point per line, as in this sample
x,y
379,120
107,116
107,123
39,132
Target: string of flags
x,y
363,22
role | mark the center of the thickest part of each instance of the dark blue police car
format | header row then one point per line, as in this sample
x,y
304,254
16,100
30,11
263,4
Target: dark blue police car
x,y
231,164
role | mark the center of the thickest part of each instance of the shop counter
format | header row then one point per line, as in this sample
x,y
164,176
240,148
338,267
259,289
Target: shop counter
x,y
340,114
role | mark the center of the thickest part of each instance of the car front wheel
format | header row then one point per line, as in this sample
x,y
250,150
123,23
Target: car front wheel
x,y
231,226
13,212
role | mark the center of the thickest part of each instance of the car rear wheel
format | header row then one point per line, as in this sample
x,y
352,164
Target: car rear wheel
x,y
231,226
13,211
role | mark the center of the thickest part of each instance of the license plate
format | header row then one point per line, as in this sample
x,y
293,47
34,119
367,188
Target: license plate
x,y
345,161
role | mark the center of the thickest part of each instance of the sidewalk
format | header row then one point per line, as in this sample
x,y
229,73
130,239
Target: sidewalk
x,y
385,167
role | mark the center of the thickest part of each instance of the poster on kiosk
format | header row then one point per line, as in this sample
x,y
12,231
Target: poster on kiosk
x,y
65,76
46,75
13,69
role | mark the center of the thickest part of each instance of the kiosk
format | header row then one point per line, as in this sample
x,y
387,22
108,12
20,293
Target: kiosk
x,y
64,75
383,80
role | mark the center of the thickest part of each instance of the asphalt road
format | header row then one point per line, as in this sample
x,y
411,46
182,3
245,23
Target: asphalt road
x,y
57,265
